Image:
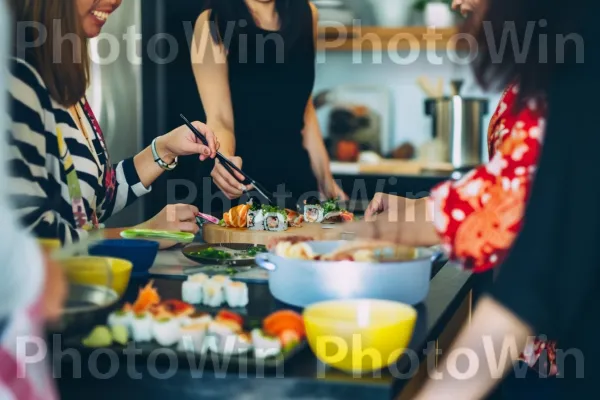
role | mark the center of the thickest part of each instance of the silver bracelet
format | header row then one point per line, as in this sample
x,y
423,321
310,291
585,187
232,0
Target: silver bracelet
x,y
161,163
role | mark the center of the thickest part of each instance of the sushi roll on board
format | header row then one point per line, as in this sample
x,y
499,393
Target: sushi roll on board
x,y
276,219
313,210
191,290
141,327
198,318
256,215
166,331
236,294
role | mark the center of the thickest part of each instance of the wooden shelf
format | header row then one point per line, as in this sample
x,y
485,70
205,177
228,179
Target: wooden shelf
x,y
369,38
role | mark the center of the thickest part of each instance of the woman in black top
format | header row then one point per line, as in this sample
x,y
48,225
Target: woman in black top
x,y
254,63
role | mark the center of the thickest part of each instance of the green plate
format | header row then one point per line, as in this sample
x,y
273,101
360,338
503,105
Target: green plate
x,y
180,237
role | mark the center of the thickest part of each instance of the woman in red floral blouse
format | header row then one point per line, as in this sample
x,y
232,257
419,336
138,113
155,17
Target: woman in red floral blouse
x,y
477,217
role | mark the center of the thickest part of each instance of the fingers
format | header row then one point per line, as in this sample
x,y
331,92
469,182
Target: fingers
x,y
184,212
376,206
230,186
237,161
456,4
189,227
210,138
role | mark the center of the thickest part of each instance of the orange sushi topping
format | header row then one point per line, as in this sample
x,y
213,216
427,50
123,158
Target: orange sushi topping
x,y
279,322
237,217
147,298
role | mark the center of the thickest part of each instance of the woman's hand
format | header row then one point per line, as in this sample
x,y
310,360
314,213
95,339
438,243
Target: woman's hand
x,y
174,218
331,190
381,203
55,290
406,222
183,142
228,184
465,6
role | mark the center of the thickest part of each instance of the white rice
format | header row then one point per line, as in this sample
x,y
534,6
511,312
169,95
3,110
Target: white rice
x,y
141,328
236,294
166,333
191,292
256,220
119,318
264,346
192,338
213,292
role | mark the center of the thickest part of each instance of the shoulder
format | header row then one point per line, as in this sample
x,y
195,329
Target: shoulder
x,y
314,10
27,86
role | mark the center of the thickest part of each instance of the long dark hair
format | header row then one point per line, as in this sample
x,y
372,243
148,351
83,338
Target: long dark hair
x,y
223,11
529,20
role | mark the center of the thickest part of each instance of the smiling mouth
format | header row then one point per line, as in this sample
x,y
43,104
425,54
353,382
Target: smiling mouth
x,y
102,16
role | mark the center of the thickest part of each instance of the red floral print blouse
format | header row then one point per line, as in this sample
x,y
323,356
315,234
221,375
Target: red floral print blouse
x,y
479,215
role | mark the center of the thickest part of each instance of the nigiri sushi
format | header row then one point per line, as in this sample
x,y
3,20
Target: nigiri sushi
x,y
120,318
265,346
191,290
141,327
166,331
236,294
192,338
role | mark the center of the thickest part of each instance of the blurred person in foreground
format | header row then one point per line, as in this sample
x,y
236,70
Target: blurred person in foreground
x,y
32,287
477,217
550,281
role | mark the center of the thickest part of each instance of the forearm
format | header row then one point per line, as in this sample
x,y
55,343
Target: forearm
x,y
495,339
226,139
148,170
315,146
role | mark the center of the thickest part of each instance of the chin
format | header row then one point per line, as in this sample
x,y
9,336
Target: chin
x,y
92,33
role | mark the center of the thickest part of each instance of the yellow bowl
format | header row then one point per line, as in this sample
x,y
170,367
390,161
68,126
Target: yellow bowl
x,y
359,335
93,271
49,245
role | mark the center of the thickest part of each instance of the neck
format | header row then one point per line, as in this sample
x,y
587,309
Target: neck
x,y
264,12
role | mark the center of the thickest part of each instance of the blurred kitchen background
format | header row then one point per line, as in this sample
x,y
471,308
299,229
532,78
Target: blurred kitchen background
x,y
398,121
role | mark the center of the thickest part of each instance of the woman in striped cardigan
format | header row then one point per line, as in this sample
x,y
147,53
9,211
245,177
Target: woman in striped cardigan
x,y
63,180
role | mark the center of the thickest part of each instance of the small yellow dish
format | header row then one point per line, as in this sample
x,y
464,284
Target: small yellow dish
x,y
93,271
359,335
49,245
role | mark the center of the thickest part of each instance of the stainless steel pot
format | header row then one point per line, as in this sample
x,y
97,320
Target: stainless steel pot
x,y
458,125
300,283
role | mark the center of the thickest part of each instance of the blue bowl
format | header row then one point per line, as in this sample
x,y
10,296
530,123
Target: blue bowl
x,y
141,253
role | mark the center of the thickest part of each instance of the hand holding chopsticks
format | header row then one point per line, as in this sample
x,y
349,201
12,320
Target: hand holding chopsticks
x,y
233,169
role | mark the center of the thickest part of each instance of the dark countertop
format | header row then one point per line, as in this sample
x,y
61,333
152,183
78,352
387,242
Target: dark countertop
x,y
303,378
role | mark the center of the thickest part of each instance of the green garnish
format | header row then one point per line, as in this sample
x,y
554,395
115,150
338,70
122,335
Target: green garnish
x,y
120,313
164,320
253,251
140,316
331,206
230,271
273,209
213,253
222,222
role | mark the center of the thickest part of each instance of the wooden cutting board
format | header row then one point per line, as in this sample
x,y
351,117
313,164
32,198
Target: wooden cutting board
x,y
218,234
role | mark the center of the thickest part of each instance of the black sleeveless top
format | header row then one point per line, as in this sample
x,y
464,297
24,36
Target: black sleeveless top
x,y
271,78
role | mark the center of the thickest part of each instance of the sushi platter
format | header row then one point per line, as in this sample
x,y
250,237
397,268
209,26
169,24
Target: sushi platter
x,y
209,326
259,224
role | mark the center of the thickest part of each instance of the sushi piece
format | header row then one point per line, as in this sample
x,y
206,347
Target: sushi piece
x,y
214,294
192,338
265,346
197,318
256,216
278,323
275,219
120,318
166,331
236,294
232,344
313,211
191,290
232,320
335,217
237,216
141,327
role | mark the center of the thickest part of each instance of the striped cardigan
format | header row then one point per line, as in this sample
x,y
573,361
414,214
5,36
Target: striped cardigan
x,y
38,184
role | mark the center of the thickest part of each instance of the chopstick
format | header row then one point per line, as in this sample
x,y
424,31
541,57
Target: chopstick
x,y
228,165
